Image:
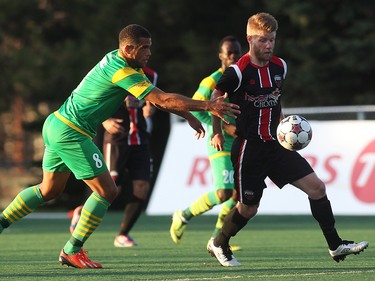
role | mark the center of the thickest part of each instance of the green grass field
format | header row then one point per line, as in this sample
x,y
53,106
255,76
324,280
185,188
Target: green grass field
x,y
273,248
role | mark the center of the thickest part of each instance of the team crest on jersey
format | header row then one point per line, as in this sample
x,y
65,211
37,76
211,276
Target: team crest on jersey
x,y
277,79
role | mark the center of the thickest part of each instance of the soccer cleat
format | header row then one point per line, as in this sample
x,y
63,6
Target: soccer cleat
x,y
75,218
347,248
233,248
123,241
78,260
209,242
178,226
223,254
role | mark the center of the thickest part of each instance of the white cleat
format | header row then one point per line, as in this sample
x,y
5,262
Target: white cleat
x,y
209,242
223,254
347,248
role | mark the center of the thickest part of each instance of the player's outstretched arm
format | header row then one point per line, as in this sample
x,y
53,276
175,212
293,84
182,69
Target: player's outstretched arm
x,y
217,138
231,109
176,102
191,119
195,124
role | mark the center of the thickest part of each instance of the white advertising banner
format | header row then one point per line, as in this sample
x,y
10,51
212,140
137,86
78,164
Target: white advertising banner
x,y
342,154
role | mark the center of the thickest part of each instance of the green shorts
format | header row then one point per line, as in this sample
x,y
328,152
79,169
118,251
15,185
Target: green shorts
x,y
222,170
68,150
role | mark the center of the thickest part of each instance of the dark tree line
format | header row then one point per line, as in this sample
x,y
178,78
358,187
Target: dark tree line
x,y
47,46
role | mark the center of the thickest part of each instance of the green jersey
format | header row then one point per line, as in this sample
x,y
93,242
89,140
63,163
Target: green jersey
x,y
205,89
101,92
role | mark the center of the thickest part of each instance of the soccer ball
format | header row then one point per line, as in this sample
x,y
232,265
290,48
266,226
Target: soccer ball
x,y
294,132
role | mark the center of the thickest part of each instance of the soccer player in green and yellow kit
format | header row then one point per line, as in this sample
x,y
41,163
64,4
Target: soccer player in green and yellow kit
x,y
68,134
221,165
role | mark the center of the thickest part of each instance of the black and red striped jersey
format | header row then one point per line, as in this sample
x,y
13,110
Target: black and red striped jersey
x,y
257,90
151,75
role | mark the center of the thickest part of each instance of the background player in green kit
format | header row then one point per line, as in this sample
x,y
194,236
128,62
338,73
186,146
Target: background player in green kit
x,y
221,165
68,134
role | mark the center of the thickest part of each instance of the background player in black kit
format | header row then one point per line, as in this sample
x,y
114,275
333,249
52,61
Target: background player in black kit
x,y
126,148
255,83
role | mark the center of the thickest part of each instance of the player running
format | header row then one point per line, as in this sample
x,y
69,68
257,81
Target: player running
x,y
68,134
126,150
255,83
221,165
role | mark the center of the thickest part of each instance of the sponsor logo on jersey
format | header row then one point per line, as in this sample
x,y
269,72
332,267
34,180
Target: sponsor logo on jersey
x,y
264,101
249,194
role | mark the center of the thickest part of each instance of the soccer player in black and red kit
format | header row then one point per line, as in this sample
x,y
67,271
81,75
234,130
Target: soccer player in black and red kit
x,y
255,83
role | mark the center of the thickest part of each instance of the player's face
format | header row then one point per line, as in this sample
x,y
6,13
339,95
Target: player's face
x,y
142,53
261,47
230,53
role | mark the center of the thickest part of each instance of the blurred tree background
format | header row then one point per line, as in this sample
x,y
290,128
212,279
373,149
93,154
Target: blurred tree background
x,y
47,46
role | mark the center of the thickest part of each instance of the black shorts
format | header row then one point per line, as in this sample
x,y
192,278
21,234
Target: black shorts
x,y
253,161
123,159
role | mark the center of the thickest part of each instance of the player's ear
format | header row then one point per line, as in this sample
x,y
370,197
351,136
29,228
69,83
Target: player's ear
x,y
128,49
220,56
248,37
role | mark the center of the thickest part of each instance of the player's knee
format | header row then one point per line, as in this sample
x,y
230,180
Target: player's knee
x,y
247,211
234,195
50,192
141,189
317,190
224,194
110,194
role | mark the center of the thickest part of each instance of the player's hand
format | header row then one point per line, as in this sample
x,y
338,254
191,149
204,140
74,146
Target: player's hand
x,y
220,108
230,129
217,141
197,126
113,126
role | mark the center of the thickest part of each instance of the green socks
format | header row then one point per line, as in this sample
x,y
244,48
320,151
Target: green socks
x,y
92,215
225,209
25,202
205,203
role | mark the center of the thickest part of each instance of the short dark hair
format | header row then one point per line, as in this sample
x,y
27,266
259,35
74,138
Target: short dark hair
x,y
227,38
132,34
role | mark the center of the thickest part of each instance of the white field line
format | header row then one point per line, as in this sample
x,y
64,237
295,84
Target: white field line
x,y
275,276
